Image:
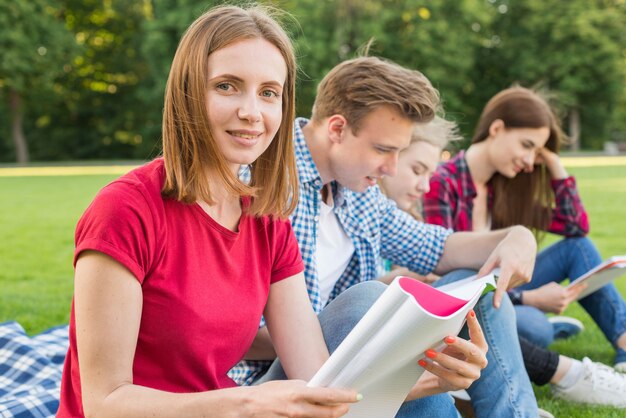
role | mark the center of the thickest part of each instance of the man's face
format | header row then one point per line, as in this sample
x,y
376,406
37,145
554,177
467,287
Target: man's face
x,y
359,161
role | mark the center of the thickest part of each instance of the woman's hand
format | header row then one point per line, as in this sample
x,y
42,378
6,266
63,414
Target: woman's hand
x,y
552,297
457,366
292,398
553,162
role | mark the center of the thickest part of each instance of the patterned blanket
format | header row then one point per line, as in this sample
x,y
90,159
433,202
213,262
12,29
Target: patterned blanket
x,y
30,371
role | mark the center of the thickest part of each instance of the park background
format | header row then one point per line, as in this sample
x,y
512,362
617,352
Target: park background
x,y
81,91
84,79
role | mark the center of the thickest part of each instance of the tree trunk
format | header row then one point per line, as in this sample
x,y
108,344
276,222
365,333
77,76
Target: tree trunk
x,y
574,129
17,131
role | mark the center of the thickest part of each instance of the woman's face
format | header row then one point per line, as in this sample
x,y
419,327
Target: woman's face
x,y
244,98
513,150
416,165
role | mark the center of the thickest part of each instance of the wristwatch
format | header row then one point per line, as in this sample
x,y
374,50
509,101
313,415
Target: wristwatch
x,y
516,296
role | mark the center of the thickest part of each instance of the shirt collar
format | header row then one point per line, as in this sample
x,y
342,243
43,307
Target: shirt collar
x,y
467,183
307,170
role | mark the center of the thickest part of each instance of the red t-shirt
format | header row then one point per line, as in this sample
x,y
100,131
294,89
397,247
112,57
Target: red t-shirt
x,y
204,286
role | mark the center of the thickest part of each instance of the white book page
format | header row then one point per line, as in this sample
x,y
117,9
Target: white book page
x,y
601,275
379,357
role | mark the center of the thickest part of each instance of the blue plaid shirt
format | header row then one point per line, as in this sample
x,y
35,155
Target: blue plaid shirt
x,y
377,228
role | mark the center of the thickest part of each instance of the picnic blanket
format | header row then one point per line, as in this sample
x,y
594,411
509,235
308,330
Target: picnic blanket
x,y
30,371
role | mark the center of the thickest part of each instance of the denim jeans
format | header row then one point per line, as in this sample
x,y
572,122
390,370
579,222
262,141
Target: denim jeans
x,y
337,320
533,325
503,389
571,258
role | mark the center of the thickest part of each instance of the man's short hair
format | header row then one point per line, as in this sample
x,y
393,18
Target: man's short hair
x,y
359,86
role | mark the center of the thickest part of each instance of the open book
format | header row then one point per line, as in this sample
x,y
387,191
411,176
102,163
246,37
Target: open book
x,y
379,356
599,276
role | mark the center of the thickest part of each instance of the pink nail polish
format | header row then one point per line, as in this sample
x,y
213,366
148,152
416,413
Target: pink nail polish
x,y
422,363
430,353
449,339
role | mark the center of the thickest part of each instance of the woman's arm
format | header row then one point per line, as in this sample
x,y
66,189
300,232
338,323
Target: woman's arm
x,y
262,347
108,305
294,328
569,217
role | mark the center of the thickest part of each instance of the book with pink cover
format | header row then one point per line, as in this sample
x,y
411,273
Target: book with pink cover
x,y
601,275
379,356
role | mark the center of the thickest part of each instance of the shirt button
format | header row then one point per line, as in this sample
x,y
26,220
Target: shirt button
x,y
317,218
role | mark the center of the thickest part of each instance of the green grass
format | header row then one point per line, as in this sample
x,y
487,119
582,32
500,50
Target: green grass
x,y
603,191
37,222
39,214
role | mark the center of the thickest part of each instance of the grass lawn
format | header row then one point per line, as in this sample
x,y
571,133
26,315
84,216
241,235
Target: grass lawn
x,y
40,212
37,224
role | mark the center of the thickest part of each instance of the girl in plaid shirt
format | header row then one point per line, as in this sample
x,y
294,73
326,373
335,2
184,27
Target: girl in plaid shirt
x,y
512,175
416,165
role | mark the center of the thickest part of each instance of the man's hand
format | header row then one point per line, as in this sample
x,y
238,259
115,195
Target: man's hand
x,y
515,255
552,297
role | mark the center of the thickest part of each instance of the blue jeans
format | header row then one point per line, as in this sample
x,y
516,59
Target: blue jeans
x,y
337,320
570,258
503,389
533,325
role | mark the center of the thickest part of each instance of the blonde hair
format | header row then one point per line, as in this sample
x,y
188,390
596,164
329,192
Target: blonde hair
x,y
439,132
190,151
359,86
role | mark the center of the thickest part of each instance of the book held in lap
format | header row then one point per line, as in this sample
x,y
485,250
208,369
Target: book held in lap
x,y
379,356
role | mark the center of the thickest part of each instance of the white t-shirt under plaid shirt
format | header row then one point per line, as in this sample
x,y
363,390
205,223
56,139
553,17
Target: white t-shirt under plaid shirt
x,y
377,228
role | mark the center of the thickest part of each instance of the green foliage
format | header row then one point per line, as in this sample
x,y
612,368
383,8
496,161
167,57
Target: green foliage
x,y
92,72
573,48
162,31
438,39
36,48
34,42
100,112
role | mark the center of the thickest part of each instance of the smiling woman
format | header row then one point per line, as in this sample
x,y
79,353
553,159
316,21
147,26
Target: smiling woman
x,y
417,163
244,103
512,175
163,253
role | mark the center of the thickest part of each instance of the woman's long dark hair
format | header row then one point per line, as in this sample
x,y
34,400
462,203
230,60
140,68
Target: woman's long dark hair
x,y
527,199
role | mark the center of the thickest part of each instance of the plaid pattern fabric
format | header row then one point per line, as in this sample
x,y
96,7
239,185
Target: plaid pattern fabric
x,y
375,225
450,201
30,371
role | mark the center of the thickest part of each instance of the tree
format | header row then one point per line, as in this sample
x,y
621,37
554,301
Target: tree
x,y
35,47
163,29
97,114
572,48
438,37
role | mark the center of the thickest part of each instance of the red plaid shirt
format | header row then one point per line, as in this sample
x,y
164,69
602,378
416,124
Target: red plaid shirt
x,y
450,201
